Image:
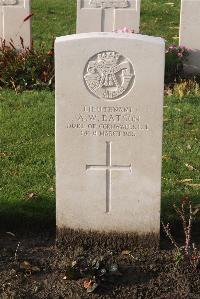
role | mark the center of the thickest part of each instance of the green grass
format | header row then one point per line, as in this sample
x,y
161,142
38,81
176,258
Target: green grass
x,y
27,130
181,155
27,157
56,18
52,18
160,18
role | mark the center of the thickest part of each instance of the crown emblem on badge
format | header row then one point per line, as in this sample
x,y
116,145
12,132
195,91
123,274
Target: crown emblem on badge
x,y
108,57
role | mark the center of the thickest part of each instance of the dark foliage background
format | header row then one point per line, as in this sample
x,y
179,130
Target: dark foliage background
x,y
28,68
34,68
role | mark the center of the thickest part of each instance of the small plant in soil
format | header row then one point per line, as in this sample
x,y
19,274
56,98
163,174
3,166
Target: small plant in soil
x,y
188,254
96,272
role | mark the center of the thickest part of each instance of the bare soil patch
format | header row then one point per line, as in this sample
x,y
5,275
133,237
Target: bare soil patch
x,y
32,266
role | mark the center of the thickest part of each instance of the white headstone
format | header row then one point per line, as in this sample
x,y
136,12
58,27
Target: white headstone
x,y
109,99
12,24
190,33
107,15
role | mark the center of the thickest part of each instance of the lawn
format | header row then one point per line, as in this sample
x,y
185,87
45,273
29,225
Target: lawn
x,y
27,158
27,131
56,18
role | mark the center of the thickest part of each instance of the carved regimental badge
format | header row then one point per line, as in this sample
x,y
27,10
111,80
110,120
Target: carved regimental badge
x,y
109,75
8,2
109,3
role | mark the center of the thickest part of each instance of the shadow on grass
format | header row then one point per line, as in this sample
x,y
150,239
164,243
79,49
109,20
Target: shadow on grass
x,y
169,215
38,214
33,215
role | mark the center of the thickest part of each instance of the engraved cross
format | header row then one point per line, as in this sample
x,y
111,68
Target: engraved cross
x,y
108,10
108,167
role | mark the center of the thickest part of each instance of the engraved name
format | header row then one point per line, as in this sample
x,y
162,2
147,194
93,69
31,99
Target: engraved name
x,y
109,3
107,121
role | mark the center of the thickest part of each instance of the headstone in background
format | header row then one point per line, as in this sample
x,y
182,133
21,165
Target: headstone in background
x,y
12,24
109,99
8,2
107,15
190,33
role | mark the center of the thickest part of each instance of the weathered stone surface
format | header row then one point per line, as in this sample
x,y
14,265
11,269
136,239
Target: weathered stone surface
x,y
109,97
190,33
12,24
8,2
109,3
107,15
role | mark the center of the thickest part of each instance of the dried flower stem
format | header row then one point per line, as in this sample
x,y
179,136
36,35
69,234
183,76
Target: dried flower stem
x,y
189,229
169,234
16,251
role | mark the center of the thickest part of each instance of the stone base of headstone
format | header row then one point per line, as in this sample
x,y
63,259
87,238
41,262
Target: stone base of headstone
x,y
104,240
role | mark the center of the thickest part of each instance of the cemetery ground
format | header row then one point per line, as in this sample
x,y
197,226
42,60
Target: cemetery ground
x,y
30,264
